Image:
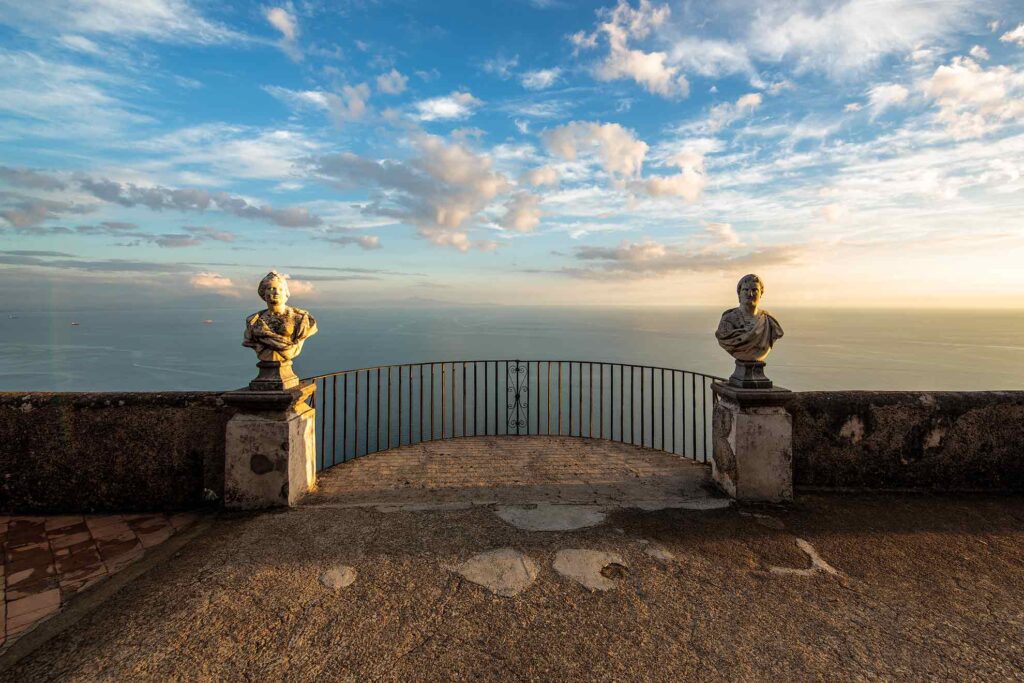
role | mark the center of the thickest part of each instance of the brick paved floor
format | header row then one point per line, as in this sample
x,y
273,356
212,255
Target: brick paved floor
x,y
520,469
47,560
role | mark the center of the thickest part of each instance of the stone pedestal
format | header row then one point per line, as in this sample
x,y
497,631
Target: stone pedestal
x,y
274,375
753,443
270,453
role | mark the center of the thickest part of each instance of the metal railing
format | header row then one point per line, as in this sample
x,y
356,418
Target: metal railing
x,y
373,409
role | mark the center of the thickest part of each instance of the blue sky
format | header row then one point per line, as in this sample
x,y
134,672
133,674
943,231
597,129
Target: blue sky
x,y
865,153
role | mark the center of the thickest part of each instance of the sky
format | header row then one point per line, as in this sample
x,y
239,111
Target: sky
x,y
862,153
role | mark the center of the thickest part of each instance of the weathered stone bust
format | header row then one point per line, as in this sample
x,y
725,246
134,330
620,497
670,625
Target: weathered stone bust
x,y
276,334
748,333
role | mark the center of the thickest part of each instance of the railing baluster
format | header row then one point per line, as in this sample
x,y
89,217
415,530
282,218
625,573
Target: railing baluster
x,y
674,446
704,417
355,421
432,373
622,418
600,369
570,398
662,409
344,417
463,399
487,400
590,400
334,418
496,394
410,405
559,397
366,422
693,413
547,413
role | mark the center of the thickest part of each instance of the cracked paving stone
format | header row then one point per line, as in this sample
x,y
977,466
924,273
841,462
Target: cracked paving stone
x,y
505,572
595,570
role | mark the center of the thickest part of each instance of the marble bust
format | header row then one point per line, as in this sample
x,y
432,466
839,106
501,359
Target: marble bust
x,y
277,334
748,333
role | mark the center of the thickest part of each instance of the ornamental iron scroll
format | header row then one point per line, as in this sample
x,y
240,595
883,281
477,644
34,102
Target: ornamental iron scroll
x,y
518,393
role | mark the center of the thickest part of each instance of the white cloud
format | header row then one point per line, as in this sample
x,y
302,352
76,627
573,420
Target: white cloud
x,y
850,36
979,53
80,44
502,67
885,96
299,99
722,236
620,152
441,190
973,101
61,100
688,184
522,213
213,281
227,152
1014,36
539,177
350,103
458,105
392,83
540,79
284,22
168,21
853,107
724,114
649,69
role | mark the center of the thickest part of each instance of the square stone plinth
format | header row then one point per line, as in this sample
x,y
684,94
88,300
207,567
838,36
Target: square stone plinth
x,y
753,444
270,454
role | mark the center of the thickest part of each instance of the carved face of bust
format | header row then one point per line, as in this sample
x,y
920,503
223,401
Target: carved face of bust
x,y
275,292
749,291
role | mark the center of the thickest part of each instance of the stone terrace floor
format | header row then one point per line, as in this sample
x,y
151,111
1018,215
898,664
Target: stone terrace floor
x,y
521,469
48,560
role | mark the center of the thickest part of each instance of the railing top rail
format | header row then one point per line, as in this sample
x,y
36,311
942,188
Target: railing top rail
x,y
510,360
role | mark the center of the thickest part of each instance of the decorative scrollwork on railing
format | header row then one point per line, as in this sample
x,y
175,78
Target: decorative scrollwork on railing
x,y
517,400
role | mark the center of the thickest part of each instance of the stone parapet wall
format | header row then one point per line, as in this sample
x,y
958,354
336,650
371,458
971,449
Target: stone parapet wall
x,y
95,452
940,441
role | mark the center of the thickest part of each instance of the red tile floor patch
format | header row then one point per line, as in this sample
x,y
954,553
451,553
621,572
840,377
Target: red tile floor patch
x,y
46,560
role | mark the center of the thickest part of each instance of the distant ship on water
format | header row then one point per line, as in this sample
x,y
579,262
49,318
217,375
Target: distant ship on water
x,y
207,322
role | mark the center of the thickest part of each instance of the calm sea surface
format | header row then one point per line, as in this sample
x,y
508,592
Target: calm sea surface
x,y
174,349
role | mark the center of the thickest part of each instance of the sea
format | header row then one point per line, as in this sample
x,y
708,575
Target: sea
x,y
200,348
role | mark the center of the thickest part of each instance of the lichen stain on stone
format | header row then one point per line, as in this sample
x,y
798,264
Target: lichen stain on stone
x,y
260,464
852,429
934,438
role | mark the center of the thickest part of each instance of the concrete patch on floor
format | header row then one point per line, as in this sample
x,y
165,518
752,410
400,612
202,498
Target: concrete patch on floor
x,y
818,565
547,517
505,572
338,577
595,570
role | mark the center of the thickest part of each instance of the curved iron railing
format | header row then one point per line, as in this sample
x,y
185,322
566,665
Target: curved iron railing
x,y
373,409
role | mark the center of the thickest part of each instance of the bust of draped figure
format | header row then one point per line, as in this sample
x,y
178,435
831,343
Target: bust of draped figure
x,y
276,334
748,333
